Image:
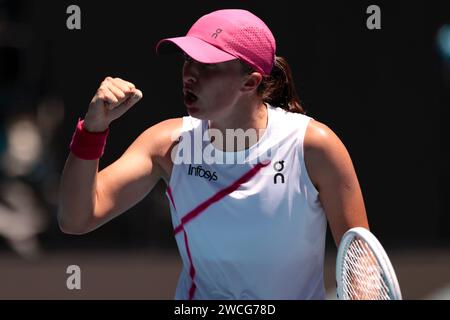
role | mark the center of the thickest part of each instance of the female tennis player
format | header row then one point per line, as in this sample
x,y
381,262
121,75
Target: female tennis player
x,y
249,219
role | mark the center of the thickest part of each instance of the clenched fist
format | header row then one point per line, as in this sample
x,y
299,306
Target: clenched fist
x,y
113,98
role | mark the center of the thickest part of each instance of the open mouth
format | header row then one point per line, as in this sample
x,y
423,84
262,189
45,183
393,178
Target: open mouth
x,y
189,97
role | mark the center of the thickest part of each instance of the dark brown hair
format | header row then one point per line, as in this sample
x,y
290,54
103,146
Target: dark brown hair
x,y
278,89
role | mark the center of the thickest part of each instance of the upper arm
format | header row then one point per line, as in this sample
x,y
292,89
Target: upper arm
x,y
331,170
131,177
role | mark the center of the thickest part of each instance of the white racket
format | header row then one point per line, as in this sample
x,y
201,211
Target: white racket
x,y
363,269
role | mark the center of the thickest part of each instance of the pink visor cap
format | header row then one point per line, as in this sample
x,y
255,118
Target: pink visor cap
x,y
226,35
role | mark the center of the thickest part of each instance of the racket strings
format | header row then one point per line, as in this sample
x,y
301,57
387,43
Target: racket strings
x,y
363,277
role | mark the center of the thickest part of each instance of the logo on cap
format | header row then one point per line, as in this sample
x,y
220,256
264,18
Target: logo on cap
x,y
215,34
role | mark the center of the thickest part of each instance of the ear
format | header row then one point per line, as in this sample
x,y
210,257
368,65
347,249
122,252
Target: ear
x,y
252,81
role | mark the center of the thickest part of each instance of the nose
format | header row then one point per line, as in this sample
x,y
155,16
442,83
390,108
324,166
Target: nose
x,y
190,72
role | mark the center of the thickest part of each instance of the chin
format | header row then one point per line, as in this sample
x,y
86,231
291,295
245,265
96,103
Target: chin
x,y
193,111
197,114
201,114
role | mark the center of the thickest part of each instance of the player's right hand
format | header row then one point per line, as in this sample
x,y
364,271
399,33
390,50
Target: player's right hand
x,y
113,98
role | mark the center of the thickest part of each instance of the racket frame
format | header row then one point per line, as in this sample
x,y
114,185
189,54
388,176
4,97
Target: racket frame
x,y
379,254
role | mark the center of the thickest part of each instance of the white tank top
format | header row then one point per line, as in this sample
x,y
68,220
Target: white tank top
x,y
247,230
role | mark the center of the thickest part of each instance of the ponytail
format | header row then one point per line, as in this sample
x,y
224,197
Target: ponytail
x,y
278,89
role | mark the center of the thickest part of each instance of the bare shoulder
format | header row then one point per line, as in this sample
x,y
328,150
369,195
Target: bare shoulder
x,y
319,137
324,152
331,170
161,136
158,142
164,127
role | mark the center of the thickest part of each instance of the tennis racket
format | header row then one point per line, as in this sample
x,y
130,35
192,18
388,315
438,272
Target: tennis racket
x,y
363,269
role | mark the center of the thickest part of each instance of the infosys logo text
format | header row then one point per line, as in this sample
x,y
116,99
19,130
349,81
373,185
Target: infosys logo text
x,y
198,171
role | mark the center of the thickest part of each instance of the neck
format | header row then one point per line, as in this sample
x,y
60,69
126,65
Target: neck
x,y
251,118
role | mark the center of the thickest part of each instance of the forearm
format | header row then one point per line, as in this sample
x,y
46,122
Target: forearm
x,y
77,194
78,187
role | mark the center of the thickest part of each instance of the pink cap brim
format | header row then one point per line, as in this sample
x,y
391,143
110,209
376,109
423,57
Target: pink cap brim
x,y
198,49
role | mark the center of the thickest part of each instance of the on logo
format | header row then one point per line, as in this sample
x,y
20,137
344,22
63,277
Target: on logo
x,y
215,34
278,166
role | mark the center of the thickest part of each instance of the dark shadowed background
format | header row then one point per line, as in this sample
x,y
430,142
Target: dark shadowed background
x,y
384,92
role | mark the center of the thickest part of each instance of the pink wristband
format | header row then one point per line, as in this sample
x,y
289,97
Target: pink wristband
x,y
88,145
